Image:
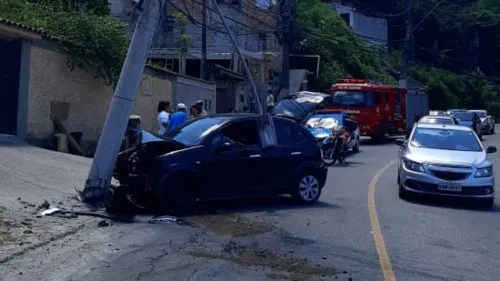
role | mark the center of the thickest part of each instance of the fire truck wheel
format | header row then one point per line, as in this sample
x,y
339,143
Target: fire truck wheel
x,y
383,129
356,146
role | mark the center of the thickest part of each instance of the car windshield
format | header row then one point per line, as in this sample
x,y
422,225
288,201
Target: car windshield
x,y
352,99
446,139
194,132
435,112
431,120
481,114
463,116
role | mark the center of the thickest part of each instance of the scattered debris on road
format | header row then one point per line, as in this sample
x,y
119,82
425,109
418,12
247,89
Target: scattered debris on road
x,y
163,219
103,223
49,211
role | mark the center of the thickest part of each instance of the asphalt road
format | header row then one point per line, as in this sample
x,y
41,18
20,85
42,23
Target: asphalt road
x,y
422,240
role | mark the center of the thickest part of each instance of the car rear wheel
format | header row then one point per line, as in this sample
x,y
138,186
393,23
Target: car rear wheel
x,y
307,189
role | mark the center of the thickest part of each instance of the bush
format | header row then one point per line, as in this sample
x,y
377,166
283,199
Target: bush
x,y
95,41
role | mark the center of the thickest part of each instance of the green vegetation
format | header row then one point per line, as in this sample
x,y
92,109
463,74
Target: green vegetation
x,y
343,54
95,41
441,47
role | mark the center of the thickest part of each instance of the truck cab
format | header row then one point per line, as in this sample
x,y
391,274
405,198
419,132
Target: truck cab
x,y
380,109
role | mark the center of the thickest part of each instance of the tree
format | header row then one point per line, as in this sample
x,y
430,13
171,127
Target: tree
x,y
95,41
320,31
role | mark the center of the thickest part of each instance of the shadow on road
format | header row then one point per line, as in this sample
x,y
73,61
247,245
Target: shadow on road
x,y
269,204
377,142
453,203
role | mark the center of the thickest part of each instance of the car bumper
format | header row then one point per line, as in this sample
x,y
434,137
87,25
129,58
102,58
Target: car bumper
x,y
481,188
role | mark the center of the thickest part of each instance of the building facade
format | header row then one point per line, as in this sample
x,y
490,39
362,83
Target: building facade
x,y
373,30
178,44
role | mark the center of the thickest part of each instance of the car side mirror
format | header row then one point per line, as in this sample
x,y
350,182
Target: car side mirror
x,y
491,149
401,142
218,146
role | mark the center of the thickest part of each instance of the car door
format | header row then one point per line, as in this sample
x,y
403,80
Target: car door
x,y
236,172
286,157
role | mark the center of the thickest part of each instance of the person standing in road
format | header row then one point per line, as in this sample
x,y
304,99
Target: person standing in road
x,y
178,118
270,102
199,105
163,117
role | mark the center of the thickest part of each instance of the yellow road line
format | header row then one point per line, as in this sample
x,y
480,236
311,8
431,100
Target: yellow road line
x,y
383,257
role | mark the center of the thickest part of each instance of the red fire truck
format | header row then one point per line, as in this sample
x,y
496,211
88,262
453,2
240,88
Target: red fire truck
x,y
379,109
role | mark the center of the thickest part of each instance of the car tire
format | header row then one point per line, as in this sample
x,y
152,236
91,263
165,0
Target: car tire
x,y
356,146
487,203
307,189
399,177
492,131
403,194
176,196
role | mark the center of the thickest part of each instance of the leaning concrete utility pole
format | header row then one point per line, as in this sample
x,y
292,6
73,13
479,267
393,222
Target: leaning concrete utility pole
x,y
101,172
256,99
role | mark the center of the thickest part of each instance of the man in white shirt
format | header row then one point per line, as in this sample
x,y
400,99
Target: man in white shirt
x,y
270,102
163,117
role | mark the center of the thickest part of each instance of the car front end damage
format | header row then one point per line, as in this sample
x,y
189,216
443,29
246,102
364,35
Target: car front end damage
x,y
138,172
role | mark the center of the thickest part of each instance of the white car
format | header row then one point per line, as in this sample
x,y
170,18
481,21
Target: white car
x,y
445,160
487,121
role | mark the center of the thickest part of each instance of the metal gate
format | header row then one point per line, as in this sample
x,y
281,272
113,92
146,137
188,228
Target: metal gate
x,y
10,58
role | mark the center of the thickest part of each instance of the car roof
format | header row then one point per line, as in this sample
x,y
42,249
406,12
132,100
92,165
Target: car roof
x,y
477,110
437,116
443,126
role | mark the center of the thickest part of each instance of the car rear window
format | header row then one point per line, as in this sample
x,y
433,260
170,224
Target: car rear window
x,y
289,133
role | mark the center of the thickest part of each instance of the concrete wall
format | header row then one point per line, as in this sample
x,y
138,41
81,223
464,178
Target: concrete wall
x,y
88,97
188,91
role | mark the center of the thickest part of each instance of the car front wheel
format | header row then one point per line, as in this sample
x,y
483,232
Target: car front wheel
x,y
176,196
307,189
487,203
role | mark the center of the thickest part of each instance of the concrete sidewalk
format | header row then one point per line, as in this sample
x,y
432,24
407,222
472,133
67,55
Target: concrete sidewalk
x,y
29,176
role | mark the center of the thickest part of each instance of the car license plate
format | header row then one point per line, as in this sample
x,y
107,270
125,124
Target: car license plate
x,y
450,187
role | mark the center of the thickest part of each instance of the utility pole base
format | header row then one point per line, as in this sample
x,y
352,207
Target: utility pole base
x,y
95,193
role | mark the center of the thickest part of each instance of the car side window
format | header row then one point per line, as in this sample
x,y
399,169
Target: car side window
x,y
244,133
289,134
284,133
300,135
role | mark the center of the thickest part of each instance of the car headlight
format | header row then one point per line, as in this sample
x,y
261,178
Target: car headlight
x,y
413,166
484,172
